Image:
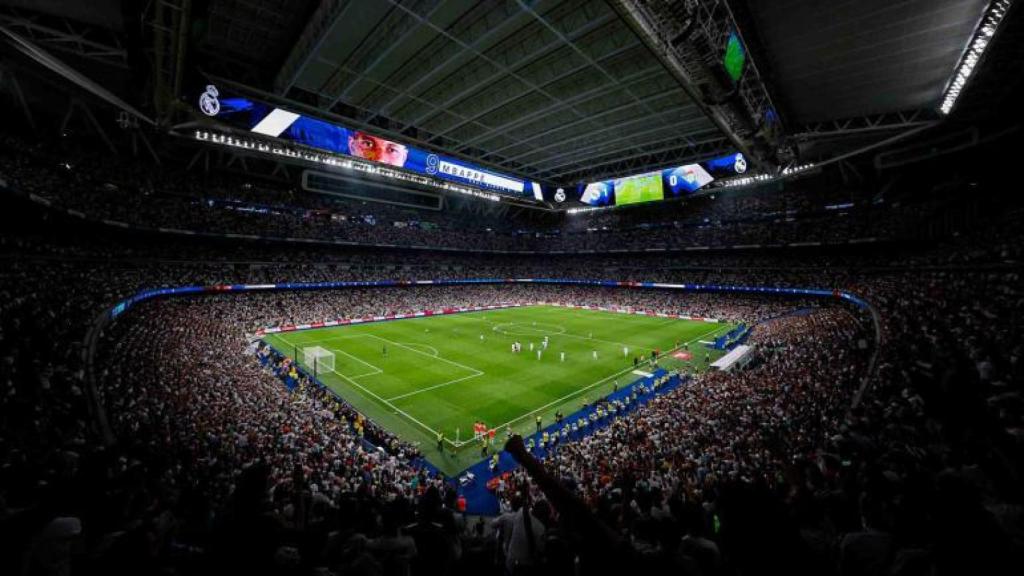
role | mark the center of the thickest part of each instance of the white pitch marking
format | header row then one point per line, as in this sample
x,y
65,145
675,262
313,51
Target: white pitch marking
x,y
475,374
498,328
436,353
434,387
383,401
361,361
452,362
584,389
717,329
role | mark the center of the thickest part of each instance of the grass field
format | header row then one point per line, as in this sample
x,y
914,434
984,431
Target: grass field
x,y
442,373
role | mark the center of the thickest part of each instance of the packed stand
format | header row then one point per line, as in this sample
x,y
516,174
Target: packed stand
x,y
216,467
102,189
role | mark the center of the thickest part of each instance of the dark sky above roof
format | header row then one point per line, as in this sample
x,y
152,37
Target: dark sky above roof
x,y
834,59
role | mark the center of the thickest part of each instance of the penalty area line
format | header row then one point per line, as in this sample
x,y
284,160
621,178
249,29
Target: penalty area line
x,y
452,362
383,401
434,387
387,403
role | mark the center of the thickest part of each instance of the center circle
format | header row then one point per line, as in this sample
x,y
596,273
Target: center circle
x,y
529,329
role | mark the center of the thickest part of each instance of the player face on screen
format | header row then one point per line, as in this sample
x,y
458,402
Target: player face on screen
x,y
362,145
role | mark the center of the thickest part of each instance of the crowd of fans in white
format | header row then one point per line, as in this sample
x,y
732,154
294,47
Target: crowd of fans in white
x,y
193,413
213,466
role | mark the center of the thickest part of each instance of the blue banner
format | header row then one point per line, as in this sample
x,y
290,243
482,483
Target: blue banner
x,y
268,120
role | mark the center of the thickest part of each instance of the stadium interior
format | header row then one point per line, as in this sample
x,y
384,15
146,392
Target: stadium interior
x,y
418,287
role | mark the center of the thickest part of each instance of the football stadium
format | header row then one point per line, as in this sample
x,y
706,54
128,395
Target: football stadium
x,y
509,287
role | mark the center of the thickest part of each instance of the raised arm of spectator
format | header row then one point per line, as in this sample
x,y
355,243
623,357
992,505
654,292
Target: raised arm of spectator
x,y
600,542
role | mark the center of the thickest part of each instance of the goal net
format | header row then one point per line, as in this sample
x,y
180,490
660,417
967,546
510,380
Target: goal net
x,y
318,359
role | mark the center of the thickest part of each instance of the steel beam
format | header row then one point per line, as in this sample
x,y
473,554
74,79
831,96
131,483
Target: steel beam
x,y
582,96
864,124
689,70
309,43
436,70
598,143
680,142
532,57
91,43
598,170
505,69
586,57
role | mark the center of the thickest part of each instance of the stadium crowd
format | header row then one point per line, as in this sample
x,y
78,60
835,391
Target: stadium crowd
x,y
103,189
189,433
161,444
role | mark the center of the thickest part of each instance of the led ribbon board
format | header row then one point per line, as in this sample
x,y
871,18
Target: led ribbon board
x,y
735,57
659,185
268,120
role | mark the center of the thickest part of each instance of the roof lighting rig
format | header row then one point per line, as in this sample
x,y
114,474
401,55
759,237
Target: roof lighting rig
x,y
982,39
701,43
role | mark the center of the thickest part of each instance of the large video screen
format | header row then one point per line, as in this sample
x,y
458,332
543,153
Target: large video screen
x,y
735,57
640,188
269,120
662,184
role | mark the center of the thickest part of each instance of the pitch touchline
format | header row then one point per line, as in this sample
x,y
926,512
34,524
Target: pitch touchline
x,y
581,390
376,369
400,345
475,374
389,404
479,373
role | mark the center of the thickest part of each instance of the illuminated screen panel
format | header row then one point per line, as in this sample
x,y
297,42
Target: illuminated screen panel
x,y
598,194
637,189
269,120
668,183
728,165
686,179
735,57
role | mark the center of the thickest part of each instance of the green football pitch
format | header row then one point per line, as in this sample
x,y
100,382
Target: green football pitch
x,y
418,376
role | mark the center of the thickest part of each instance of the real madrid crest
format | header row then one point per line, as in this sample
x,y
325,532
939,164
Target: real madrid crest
x,y
741,164
208,101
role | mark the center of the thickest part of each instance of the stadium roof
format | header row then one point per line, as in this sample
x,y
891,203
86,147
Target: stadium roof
x,y
842,59
540,89
559,91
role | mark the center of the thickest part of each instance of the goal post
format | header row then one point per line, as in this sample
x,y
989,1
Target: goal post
x,y
318,359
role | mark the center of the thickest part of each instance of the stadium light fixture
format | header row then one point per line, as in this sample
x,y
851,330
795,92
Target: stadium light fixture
x,y
981,40
755,179
582,210
797,168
